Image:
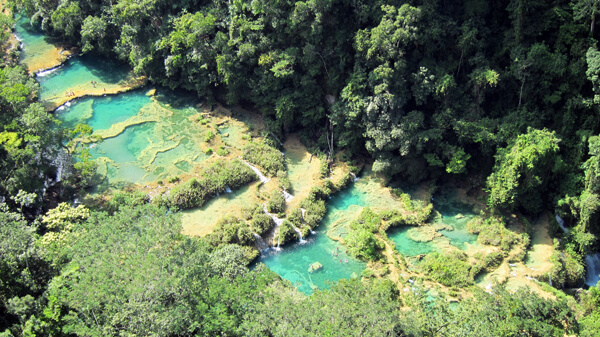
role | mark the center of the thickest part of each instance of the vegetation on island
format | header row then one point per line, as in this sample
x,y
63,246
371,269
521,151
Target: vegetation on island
x,y
504,96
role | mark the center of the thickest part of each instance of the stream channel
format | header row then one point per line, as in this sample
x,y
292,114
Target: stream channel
x,y
151,134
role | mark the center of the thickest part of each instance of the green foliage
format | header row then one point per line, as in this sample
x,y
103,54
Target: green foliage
x,y
492,231
287,233
276,202
261,223
522,169
266,157
194,193
451,270
361,241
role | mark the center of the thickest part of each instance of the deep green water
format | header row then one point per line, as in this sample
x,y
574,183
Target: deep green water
x,y
34,42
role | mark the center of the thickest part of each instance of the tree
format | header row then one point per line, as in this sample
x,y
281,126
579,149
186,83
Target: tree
x,y
522,169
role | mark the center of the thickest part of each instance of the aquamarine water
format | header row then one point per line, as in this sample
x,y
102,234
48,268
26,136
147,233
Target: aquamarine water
x,y
78,73
456,214
407,246
38,50
293,262
166,146
102,112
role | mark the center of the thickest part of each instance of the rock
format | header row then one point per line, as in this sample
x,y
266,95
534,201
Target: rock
x,y
314,267
459,216
151,92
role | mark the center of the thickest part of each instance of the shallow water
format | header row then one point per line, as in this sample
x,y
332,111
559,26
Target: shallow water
x,y
146,138
293,261
38,51
82,76
456,214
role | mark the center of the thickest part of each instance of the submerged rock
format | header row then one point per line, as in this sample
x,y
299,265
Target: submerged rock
x,y
314,267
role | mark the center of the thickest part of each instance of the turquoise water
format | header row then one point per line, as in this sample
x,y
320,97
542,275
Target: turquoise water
x,y
405,245
102,112
77,74
456,214
34,43
293,261
166,146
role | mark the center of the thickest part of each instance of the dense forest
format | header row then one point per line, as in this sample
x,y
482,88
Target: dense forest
x,y
502,95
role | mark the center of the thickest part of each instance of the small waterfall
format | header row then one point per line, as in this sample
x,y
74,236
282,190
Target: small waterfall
x,y
561,223
287,196
278,223
354,177
297,230
48,71
227,189
261,176
260,243
592,262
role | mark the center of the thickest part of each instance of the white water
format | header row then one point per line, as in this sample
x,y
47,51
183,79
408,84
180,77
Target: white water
x,y
355,178
260,243
47,71
278,223
261,176
287,196
592,262
227,189
561,223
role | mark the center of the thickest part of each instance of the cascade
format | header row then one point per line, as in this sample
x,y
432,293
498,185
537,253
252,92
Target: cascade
x,y
48,71
261,176
260,243
592,262
287,196
227,189
561,223
278,223
354,177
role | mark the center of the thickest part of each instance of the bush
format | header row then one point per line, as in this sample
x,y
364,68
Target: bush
x,y
324,168
208,136
284,181
363,244
314,211
268,158
132,199
287,233
449,270
276,202
222,151
367,220
492,232
262,223
215,178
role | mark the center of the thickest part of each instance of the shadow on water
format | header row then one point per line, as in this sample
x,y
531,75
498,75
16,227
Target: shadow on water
x,y
456,213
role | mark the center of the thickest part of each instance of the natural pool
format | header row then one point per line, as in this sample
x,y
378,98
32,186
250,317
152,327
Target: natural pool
x,y
38,51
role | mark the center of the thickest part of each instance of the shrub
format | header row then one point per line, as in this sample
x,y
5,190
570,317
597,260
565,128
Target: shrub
x,y
449,270
363,244
268,158
261,223
314,211
368,220
284,181
222,151
324,168
276,202
287,233
208,136
215,178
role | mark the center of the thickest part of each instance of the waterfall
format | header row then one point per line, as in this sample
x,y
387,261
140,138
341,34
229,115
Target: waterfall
x,y
287,196
261,176
227,189
260,243
278,223
592,262
354,177
301,241
48,71
561,223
